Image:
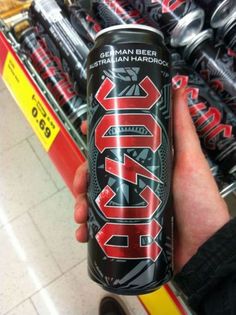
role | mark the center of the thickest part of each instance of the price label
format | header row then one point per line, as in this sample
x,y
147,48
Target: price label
x,y
30,102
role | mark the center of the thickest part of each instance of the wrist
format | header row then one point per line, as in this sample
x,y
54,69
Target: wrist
x,y
207,267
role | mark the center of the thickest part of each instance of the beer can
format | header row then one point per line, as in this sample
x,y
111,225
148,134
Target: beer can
x,y
84,24
226,183
116,12
130,162
50,71
217,11
179,20
214,121
214,64
48,15
228,32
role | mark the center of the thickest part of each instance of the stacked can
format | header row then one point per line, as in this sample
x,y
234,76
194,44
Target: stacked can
x,y
228,32
214,121
217,11
179,20
49,18
214,64
56,80
116,12
226,182
84,24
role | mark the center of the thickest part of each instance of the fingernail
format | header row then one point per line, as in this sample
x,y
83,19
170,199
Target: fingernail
x,y
179,81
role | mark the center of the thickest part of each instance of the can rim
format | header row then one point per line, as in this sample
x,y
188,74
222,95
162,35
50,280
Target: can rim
x,y
177,36
83,109
216,20
229,24
129,26
30,29
232,170
198,39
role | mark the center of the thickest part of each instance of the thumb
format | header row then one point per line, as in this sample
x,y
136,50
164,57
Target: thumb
x,y
186,141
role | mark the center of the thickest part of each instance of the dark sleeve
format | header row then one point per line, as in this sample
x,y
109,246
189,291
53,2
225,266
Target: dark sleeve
x,y
208,280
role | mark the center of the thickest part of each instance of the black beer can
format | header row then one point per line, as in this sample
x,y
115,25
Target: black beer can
x,y
214,121
116,12
130,161
217,11
226,182
84,24
50,71
48,16
180,20
214,64
228,32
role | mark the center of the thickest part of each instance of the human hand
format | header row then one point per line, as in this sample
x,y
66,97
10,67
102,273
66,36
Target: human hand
x,y
199,209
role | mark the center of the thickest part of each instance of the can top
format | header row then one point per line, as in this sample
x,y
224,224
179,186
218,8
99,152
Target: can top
x,y
187,28
230,23
221,13
83,109
129,26
197,40
20,36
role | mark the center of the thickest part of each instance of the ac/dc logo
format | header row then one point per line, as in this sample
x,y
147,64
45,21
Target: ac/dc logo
x,y
129,170
207,119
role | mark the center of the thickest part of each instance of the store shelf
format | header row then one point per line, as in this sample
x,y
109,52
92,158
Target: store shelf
x,y
55,138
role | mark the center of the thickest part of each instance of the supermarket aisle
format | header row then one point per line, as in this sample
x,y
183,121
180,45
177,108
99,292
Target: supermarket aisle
x,y
42,268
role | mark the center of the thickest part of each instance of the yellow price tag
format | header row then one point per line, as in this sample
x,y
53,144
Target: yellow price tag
x,y
30,102
160,303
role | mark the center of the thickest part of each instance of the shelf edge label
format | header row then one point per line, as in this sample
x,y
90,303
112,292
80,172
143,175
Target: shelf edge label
x,y
30,102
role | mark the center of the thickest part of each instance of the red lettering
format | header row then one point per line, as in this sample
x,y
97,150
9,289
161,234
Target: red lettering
x,y
96,27
123,9
128,102
129,170
130,212
171,5
125,135
196,109
48,68
179,81
208,120
231,53
134,233
63,92
192,92
151,141
210,139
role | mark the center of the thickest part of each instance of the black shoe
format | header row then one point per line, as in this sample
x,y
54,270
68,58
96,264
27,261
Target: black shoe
x,y
110,306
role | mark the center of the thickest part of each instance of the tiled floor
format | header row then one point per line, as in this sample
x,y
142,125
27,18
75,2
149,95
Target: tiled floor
x,y
42,267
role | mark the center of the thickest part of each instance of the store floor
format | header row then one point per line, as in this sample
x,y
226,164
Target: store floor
x,y
42,267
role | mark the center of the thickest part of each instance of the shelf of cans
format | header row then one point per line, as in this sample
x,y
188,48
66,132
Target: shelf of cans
x,y
65,147
203,59
43,52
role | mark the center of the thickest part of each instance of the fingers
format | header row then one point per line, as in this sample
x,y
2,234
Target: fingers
x,y
84,127
185,137
81,206
80,183
81,209
82,233
81,215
